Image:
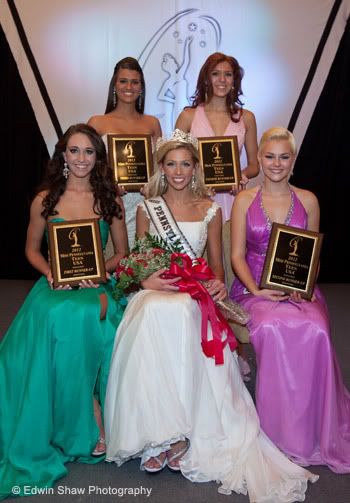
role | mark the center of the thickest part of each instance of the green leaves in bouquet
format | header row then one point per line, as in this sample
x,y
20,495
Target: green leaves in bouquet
x,y
148,255
148,242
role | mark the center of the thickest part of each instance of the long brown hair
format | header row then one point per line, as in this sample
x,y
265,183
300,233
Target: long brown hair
x,y
101,177
127,63
204,89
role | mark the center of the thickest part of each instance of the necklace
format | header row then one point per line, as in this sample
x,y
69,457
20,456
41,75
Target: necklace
x,y
289,214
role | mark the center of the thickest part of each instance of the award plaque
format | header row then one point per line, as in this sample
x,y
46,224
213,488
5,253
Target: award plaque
x,y
291,260
130,157
219,158
76,252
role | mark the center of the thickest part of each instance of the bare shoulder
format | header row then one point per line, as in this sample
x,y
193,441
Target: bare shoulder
x,y
38,199
188,112
203,205
185,119
37,204
205,202
153,124
248,117
245,197
151,119
211,211
97,122
308,198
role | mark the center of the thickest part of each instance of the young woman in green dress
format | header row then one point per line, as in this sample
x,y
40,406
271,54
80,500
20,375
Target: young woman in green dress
x,y
54,358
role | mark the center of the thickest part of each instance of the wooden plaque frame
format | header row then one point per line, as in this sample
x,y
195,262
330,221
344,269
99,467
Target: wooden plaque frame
x,y
292,258
220,160
76,253
130,157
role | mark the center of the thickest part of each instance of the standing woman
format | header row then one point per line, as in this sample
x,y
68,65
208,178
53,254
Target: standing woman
x,y
54,358
300,396
124,115
218,111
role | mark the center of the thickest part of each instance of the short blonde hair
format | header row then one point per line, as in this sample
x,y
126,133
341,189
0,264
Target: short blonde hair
x,y
278,133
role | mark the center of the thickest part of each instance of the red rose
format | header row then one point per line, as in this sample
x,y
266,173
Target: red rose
x,y
158,251
119,270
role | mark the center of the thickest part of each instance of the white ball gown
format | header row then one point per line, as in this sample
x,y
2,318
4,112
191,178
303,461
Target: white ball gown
x,y
162,389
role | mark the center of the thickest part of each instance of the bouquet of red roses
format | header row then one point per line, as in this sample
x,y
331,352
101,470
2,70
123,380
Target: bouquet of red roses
x,y
148,255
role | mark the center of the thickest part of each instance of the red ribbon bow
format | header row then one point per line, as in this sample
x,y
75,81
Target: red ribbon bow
x,y
192,273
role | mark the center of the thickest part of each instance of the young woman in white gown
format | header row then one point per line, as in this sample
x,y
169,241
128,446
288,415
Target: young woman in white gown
x,y
166,402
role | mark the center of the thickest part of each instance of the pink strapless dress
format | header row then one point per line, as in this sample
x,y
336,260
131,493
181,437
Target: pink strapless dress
x,y
301,400
201,127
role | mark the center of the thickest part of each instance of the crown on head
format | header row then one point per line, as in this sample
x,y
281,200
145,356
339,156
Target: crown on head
x,y
177,136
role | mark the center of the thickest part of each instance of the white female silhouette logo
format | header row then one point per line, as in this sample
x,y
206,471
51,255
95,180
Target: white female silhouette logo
x,y
294,243
216,150
178,48
73,236
128,149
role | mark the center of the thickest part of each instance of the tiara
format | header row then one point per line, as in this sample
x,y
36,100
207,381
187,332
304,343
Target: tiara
x,y
177,136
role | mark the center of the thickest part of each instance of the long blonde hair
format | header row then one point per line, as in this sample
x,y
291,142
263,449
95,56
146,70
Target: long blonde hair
x,y
157,185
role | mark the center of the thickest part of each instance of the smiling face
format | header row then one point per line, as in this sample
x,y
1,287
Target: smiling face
x,y
128,85
221,79
80,155
178,167
276,160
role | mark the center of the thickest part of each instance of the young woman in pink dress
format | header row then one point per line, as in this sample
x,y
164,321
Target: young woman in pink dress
x,y
301,400
218,111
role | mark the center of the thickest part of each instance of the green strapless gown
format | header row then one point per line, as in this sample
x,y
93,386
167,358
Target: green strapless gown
x,y
53,359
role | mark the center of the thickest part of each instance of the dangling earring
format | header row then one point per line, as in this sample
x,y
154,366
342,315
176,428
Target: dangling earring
x,y
206,92
65,170
162,182
114,98
232,98
140,101
193,182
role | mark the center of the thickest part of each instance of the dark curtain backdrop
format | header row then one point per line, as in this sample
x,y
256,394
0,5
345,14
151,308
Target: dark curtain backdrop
x,y
24,155
323,165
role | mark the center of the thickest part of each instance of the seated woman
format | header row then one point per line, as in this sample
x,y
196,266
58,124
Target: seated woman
x,y
301,400
167,402
54,358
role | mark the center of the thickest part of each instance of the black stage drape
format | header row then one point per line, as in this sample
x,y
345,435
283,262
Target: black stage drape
x,y
24,155
323,165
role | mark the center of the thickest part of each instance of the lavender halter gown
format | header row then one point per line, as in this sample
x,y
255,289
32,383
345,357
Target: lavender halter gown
x,y
301,399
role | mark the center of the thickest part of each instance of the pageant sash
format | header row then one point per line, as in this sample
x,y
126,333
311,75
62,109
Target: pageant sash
x,y
166,225
192,272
